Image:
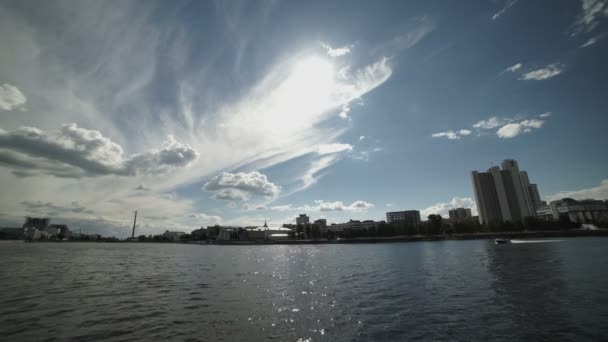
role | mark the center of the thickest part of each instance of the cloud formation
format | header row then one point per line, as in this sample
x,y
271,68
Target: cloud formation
x,y
512,130
599,192
53,209
539,74
11,97
337,52
320,206
513,68
76,152
592,14
506,7
507,127
205,219
545,73
334,148
452,135
444,208
490,123
241,186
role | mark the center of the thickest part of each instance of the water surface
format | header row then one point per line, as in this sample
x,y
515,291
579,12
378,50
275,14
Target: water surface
x,y
443,290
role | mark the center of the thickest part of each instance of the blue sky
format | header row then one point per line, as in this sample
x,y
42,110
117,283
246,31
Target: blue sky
x,y
198,113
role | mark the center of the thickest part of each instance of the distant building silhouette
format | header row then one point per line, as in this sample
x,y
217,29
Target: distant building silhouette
x,y
505,195
322,223
302,219
408,216
460,215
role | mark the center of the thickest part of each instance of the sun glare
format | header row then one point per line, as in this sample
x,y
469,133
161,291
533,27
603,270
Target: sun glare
x,y
304,95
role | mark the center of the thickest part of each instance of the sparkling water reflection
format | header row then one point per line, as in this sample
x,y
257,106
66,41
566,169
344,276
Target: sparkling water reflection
x,y
451,290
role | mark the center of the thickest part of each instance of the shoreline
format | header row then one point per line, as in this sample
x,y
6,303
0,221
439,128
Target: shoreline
x,y
390,239
417,238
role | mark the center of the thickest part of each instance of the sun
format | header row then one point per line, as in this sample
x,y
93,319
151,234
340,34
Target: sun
x,y
309,87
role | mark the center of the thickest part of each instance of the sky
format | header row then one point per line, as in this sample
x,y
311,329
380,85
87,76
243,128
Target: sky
x,y
198,113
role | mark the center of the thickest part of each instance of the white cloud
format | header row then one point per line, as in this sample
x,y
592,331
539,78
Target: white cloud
x,y
11,97
444,208
344,112
239,186
599,192
514,129
545,73
205,219
513,68
506,7
490,123
449,134
286,207
361,138
337,52
509,130
333,148
324,206
545,115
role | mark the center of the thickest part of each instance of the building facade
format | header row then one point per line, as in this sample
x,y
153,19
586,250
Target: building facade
x,y
585,211
408,216
354,225
504,195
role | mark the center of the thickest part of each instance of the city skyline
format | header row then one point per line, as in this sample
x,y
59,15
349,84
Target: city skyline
x,y
230,113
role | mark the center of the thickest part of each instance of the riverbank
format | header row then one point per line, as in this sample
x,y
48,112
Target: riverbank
x,y
415,238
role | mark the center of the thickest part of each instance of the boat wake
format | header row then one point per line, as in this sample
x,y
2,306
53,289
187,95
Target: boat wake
x,y
534,241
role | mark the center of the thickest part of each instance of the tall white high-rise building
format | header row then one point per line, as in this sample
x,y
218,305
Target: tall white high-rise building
x,y
504,195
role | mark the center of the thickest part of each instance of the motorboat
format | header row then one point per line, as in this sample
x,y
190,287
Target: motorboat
x,y
501,241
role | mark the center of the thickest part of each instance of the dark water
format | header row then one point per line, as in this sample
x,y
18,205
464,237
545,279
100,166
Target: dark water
x,y
453,290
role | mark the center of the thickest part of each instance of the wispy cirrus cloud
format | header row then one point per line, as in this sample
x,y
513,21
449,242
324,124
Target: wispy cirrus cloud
x,y
513,68
593,12
507,5
337,52
538,74
544,73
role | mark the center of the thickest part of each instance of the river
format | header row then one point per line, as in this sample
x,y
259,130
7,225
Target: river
x,y
443,290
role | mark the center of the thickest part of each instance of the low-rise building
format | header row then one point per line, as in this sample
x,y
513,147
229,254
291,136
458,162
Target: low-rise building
x,y
353,225
173,236
583,211
408,216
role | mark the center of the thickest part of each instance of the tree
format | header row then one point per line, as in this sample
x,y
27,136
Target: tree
x,y
436,222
